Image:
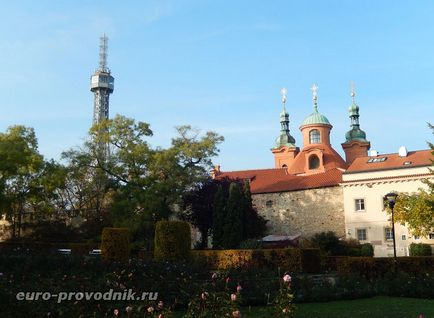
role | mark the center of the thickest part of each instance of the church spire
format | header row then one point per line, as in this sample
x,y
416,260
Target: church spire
x,y
285,138
355,133
314,90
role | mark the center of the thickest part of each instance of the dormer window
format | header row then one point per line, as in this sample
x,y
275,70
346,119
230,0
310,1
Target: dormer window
x,y
314,136
313,162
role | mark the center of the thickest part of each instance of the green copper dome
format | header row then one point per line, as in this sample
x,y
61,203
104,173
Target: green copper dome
x,y
315,118
355,134
353,109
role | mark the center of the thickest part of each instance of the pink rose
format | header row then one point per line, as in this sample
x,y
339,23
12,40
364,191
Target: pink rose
x,y
239,288
234,297
236,314
287,278
116,312
204,295
151,309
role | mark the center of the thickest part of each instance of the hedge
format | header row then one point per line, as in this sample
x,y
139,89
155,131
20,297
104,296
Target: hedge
x,y
371,267
420,249
115,245
172,240
290,259
41,247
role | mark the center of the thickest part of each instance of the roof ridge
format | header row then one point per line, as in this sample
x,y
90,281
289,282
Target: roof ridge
x,y
397,153
265,169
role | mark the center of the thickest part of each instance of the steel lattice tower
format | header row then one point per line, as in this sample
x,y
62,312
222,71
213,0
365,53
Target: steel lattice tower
x,y
102,85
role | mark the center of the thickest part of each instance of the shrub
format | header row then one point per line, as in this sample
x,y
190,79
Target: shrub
x,y
366,250
420,249
310,260
250,244
172,240
115,245
327,242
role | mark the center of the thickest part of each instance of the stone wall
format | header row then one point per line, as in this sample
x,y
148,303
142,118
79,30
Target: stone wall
x,y
306,212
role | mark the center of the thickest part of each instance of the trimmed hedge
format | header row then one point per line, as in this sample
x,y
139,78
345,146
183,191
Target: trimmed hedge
x,y
115,244
172,240
420,249
289,259
44,247
371,267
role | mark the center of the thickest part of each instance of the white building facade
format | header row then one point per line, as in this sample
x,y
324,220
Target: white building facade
x,y
365,183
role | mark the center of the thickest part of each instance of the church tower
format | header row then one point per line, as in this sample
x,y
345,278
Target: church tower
x,y
317,154
285,149
356,144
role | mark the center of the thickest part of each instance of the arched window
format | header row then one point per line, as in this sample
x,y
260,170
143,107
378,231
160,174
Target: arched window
x,y
313,162
284,166
314,136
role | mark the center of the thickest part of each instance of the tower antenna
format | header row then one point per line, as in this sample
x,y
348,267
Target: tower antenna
x,y
103,40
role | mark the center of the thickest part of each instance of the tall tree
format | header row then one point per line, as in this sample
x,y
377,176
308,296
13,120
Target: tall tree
x,y
148,183
20,168
254,224
233,225
218,217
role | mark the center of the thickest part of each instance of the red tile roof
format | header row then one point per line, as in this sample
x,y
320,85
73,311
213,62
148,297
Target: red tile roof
x,y
278,180
418,158
331,159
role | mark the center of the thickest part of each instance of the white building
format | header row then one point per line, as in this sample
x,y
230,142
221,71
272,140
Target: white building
x,y
365,183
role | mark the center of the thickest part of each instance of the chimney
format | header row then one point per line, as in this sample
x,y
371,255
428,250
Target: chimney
x,y
215,172
373,153
402,151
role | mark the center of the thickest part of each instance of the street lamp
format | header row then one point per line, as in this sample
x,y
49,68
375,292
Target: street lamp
x,y
391,199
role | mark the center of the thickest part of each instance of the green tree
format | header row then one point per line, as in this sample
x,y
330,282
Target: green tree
x,y
416,211
146,183
254,224
218,217
233,228
20,169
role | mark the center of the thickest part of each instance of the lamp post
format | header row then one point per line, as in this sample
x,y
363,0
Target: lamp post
x,y
391,199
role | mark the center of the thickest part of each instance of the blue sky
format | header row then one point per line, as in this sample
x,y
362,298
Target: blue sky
x,y
219,65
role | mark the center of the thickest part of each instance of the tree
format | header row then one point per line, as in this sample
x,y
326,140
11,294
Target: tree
x,y
197,208
416,211
254,224
20,168
218,217
233,224
146,183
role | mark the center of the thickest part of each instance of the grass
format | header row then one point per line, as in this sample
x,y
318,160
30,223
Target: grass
x,y
376,307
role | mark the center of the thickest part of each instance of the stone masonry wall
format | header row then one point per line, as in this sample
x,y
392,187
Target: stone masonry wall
x,y
306,212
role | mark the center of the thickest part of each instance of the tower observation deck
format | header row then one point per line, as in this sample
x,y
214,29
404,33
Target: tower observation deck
x,y
102,85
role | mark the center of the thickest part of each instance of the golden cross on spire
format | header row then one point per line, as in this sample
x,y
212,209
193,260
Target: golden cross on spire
x,y
352,90
314,90
283,93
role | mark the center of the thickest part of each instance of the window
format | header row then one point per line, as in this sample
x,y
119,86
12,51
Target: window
x,y
269,204
388,235
431,236
359,205
361,234
313,162
416,237
403,237
314,137
371,160
284,166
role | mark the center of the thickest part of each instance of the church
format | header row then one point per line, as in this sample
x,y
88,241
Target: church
x,y
313,189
